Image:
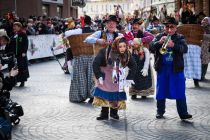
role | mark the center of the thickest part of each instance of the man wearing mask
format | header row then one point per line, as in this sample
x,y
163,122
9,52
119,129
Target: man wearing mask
x,y
143,79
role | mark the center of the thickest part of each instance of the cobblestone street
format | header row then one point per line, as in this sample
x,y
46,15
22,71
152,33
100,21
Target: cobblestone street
x,y
50,116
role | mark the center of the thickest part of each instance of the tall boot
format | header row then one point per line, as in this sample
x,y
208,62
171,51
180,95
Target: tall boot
x,y
114,114
22,84
104,114
196,83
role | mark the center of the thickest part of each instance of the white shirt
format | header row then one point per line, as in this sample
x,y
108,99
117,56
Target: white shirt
x,y
73,32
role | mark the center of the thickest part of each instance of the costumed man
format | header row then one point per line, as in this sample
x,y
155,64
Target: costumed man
x,y
114,69
169,48
106,37
82,79
143,79
19,43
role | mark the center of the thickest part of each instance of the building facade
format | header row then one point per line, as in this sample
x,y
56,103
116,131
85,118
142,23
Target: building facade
x,y
52,8
99,8
169,4
199,5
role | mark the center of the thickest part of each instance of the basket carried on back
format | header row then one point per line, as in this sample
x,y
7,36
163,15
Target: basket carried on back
x,y
96,48
193,33
78,46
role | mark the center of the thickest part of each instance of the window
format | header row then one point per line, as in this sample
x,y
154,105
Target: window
x,y
91,8
45,10
97,8
59,11
102,8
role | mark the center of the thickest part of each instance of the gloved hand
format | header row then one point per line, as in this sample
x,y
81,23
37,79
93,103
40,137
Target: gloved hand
x,y
101,81
128,83
144,72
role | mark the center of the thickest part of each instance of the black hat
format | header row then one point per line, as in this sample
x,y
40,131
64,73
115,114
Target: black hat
x,y
155,19
87,20
112,18
170,20
137,21
6,37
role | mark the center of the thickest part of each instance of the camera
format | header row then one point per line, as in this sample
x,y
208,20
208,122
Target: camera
x,y
9,111
8,59
14,109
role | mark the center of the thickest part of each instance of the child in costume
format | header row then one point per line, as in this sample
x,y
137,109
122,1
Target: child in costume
x,y
114,69
143,80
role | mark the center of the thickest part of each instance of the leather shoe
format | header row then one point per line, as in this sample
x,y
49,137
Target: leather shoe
x,y
159,116
186,117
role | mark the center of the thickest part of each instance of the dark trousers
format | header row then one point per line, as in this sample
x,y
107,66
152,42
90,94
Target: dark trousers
x,y
105,111
204,70
181,106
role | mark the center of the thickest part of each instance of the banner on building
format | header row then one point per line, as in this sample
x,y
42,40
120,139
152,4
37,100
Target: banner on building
x,y
54,1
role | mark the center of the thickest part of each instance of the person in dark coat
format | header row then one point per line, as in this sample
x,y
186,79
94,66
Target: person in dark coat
x,y
19,43
169,65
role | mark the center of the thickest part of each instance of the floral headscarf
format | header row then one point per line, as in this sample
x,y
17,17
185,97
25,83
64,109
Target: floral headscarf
x,y
206,24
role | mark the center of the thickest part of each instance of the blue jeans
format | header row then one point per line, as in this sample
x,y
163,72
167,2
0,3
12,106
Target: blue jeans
x,y
181,106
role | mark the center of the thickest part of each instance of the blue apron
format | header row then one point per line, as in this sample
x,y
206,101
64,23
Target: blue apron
x,y
169,84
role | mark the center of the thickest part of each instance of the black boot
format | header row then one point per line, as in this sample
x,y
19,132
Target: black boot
x,y
196,83
104,114
133,97
186,117
90,101
144,97
113,114
22,84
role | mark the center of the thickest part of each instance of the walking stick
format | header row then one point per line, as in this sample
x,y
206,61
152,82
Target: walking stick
x,y
56,59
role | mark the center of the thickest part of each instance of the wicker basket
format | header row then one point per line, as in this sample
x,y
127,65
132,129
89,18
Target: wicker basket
x,y
193,33
97,48
78,46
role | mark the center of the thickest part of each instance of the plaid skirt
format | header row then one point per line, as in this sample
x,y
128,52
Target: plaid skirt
x,y
82,82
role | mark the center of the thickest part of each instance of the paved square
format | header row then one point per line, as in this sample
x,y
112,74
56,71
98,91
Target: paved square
x,y
50,116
